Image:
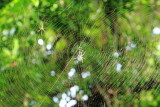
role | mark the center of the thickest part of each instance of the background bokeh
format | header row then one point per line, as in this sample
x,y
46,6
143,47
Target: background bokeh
x,y
82,53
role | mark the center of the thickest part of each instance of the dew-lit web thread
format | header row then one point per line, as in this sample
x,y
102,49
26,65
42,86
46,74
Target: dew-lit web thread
x,y
24,33
110,74
36,27
152,75
95,56
102,56
126,66
61,74
136,76
84,61
142,69
10,72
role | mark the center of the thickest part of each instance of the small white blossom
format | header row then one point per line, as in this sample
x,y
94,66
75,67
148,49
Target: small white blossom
x,y
32,102
98,10
64,96
55,99
128,48
85,74
68,93
5,32
71,103
32,32
33,61
119,67
71,73
68,99
85,97
48,53
73,90
62,103
116,54
132,45
81,92
40,41
156,30
76,87
49,46
12,31
53,73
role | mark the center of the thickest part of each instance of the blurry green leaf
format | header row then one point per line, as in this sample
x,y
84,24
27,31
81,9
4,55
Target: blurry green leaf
x,y
6,52
36,3
16,46
61,45
50,35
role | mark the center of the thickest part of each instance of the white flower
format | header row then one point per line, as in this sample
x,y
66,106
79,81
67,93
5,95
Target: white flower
x,y
55,99
32,102
71,73
116,54
98,10
156,30
5,32
71,103
33,61
118,68
85,74
12,31
73,94
68,93
85,97
64,96
32,32
53,73
73,90
48,53
132,45
49,46
62,103
81,92
76,87
40,41
128,48
68,99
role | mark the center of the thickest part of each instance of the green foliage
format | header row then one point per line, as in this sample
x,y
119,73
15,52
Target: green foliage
x,y
41,36
147,99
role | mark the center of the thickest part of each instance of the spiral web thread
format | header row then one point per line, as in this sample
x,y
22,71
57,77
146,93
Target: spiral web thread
x,y
107,63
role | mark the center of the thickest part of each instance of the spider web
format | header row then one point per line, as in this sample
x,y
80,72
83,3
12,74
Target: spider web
x,y
104,74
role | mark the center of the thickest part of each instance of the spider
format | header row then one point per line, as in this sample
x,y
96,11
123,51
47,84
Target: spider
x,y
80,56
41,28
